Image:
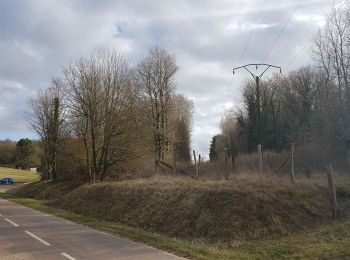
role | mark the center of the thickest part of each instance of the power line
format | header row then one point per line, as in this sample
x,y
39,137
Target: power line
x,y
301,50
341,5
248,41
252,32
281,31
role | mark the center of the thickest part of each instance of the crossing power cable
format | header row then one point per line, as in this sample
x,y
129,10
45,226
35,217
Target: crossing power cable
x,y
301,51
341,5
281,31
252,32
248,41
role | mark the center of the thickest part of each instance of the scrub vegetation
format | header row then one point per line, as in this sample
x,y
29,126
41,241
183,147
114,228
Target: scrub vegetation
x,y
241,219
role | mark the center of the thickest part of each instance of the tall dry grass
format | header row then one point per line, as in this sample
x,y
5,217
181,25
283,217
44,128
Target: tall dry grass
x,y
309,160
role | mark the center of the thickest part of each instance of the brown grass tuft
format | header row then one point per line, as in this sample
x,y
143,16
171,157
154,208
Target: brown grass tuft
x,y
233,210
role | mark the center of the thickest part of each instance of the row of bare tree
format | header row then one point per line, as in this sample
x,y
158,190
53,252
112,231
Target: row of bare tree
x,y
116,115
308,106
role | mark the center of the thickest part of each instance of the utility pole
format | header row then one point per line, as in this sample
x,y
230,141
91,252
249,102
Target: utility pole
x,y
257,79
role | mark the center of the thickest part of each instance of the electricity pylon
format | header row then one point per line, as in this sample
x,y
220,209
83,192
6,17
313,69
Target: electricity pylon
x,y
257,79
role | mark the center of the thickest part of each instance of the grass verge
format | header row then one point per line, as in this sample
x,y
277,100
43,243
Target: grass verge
x,y
326,241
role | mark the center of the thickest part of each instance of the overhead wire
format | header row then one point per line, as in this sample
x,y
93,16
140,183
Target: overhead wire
x,y
307,44
281,31
248,41
300,51
252,31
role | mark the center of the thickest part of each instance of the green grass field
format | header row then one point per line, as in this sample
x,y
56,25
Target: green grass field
x,y
20,176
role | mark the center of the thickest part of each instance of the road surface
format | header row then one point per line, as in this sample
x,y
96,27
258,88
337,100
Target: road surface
x,y
29,234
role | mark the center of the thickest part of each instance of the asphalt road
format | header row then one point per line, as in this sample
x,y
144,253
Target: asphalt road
x,y
29,234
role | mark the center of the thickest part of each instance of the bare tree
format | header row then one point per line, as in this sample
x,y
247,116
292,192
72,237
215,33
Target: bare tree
x,y
155,76
47,120
332,52
100,94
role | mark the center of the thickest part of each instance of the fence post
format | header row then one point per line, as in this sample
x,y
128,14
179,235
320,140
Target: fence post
x,y
233,162
261,168
226,151
292,163
174,162
199,164
308,173
226,175
195,162
332,190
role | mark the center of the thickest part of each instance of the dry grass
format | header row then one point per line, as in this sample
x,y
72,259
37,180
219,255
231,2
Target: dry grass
x,y
310,158
330,241
236,210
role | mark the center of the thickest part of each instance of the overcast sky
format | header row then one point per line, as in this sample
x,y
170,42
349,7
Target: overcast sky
x,y
38,38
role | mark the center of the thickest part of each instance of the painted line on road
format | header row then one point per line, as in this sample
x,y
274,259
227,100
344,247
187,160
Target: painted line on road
x,y
68,256
33,215
10,221
37,238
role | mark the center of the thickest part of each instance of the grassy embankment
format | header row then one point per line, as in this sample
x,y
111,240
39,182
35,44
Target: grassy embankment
x,y
205,219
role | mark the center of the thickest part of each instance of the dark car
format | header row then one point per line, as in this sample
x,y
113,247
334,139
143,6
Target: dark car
x,y
7,181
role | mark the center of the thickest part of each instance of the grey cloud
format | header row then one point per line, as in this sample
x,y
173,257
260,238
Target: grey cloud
x,y
38,37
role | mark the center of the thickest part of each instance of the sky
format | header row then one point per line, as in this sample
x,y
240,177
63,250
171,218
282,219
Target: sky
x,y
38,38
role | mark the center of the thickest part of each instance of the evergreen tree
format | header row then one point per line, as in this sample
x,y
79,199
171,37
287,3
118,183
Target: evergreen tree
x,y
24,153
213,155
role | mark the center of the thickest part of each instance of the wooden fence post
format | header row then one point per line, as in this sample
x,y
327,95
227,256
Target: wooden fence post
x,y
199,163
174,162
308,173
233,162
261,167
226,150
195,162
292,176
332,190
226,174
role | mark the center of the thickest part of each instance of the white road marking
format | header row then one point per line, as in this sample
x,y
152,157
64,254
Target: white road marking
x,y
10,221
33,215
68,256
38,238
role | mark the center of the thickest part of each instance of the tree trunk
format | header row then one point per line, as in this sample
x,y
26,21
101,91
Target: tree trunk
x,y
348,152
55,138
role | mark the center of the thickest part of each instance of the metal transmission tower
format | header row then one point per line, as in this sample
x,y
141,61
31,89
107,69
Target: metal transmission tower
x,y
257,79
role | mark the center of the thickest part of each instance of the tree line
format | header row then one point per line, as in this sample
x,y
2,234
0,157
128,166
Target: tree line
x,y
104,116
22,154
309,105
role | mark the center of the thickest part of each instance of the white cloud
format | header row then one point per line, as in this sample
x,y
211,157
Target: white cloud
x,y
38,37
241,26
319,20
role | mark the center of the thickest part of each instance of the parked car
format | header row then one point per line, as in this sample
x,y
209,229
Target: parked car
x,y
7,181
